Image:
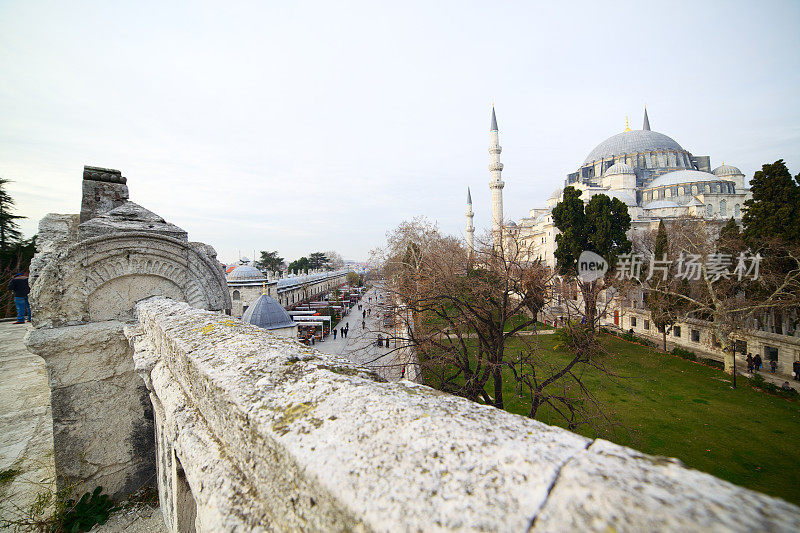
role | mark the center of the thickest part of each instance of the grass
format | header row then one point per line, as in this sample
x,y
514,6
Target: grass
x,y
678,408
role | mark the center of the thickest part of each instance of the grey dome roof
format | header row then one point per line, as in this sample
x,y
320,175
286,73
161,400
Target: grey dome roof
x,y
678,177
267,313
619,168
631,142
245,272
727,170
660,203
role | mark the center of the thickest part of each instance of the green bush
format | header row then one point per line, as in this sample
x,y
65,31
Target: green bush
x,y
759,382
630,337
684,354
92,508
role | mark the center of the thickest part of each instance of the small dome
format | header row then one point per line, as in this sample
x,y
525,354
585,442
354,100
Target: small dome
x,y
245,273
679,177
511,223
267,313
659,204
619,168
727,170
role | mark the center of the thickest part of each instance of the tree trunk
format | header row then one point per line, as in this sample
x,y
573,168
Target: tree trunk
x,y
497,375
664,333
728,359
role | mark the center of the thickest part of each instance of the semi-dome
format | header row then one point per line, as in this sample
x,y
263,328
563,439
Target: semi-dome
x,y
619,168
679,177
727,170
267,313
625,198
632,142
245,273
659,204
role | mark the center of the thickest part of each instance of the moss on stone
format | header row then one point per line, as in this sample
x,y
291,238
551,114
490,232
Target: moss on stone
x,y
291,414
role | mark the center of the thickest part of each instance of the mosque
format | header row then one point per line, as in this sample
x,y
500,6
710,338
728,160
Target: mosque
x,y
650,172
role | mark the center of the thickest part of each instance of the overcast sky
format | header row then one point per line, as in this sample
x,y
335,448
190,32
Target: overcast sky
x,y
303,126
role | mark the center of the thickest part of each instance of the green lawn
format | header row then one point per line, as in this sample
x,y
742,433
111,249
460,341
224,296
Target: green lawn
x,y
677,408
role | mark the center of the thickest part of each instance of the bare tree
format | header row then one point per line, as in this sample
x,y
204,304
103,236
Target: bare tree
x,y
736,297
469,319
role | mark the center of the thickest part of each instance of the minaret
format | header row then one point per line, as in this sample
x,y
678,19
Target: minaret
x,y
646,125
496,182
470,227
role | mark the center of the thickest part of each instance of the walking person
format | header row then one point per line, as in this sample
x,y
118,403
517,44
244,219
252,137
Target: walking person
x,y
334,333
757,362
363,315
773,365
19,286
750,363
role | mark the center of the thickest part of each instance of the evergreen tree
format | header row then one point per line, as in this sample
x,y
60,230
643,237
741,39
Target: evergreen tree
x,y
299,265
774,210
317,260
270,261
9,229
662,303
599,227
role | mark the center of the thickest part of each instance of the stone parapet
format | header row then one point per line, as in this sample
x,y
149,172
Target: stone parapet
x,y
256,432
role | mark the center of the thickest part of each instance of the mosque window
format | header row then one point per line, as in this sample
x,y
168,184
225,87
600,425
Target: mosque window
x,y
671,159
667,193
709,210
236,295
708,188
737,212
723,208
674,191
648,160
694,189
682,191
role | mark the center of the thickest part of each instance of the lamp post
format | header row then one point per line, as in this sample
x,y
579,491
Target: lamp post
x,y
734,365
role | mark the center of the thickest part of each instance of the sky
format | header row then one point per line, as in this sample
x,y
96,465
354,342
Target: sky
x,y
305,126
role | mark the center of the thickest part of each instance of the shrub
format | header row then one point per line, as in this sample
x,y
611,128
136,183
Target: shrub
x,y
92,508
684,354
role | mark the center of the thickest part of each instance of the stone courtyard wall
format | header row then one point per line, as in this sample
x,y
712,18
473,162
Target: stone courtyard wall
x,y
257,432
88,273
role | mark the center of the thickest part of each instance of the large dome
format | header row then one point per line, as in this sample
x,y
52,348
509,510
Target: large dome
x,y
632,142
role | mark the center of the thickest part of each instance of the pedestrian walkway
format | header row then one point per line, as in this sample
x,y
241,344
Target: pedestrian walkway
x,y
26,425
360,346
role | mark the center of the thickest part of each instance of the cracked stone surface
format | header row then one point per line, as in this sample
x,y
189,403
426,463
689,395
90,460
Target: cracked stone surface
x,y
275,435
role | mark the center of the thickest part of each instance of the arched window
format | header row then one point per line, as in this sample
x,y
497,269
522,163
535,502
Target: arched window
x,y
709,210
723,208
708,188
737,212
694,189
667,193
682,191
236,295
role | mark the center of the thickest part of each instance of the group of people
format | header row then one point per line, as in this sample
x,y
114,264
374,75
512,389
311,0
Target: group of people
x,y
754,364
382,341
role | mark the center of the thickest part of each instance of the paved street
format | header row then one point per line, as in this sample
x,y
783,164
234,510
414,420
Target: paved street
x,y
26,424
360,346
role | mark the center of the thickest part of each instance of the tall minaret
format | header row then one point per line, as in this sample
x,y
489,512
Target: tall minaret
x,y
470,227
496,182
646,124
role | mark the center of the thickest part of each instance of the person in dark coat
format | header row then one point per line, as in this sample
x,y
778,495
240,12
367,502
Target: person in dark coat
x,y
750,362
757,363
796,370
19,286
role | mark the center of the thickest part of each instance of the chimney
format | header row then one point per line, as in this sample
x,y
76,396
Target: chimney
x,y
103,190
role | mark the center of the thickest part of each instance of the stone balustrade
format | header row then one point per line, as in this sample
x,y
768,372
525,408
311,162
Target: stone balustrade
x,y
257,432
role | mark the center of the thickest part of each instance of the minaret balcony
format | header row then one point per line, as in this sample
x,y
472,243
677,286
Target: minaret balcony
x,y
495,165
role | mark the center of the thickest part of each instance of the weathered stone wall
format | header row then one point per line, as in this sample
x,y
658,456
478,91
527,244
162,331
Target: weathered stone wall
x,y
89,272
258,432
